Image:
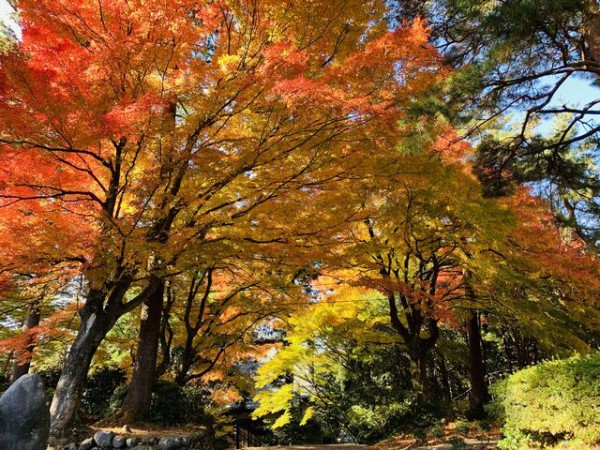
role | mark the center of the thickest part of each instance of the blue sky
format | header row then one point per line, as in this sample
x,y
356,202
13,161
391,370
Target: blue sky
x,y
5,12
577,92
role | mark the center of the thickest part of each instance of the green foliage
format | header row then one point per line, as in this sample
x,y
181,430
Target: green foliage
x,y
50,377
95,400
420,434
437,431
551,401
484,425
171,404
168,404
115,402
372,423
457,443
462,428
354,388
515,440
320,429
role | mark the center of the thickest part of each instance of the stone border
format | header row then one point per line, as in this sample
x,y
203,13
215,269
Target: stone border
x,y
109,440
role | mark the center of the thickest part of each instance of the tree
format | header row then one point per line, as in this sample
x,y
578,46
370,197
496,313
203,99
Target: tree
x,y
326,356
519,58
172,127
424,229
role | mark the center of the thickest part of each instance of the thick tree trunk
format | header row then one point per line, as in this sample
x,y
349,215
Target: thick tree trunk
x,y
478,394
23,361
139,395
95,324
592,31
418,374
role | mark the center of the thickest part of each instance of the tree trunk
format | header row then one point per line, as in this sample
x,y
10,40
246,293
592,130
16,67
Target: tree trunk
x,y
95,324
7,362
23,361
478,394
591,31
139,395
445,379
418,372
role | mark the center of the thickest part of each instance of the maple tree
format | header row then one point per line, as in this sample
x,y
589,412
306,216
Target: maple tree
x,y
172,127
433,254
416,246
209,318
205,171
319,343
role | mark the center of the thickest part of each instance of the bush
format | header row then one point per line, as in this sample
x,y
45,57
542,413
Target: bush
x,y
419,434
115,402
462,428
552,401
457,443
171,404
484,425
168,404
437,431
50,377
95,399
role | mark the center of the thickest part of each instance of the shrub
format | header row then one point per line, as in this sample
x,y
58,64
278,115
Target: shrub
x,y
95,398
168,404
462,428
457,443
420,434
115,402
50,377
552,401
437,431
171,404
484,425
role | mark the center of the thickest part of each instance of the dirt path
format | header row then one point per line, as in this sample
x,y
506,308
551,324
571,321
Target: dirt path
x,y
313,447
402,445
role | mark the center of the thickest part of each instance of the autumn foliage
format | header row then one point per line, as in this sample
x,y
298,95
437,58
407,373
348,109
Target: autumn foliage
x,y
228,165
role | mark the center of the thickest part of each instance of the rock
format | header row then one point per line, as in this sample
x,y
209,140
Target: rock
x,y
25,415
118,442
168,443
184,441
104,439
132,441
126,429
87,444
149,441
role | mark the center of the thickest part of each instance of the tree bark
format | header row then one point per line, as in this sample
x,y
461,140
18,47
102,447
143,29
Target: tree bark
x,y
95,324
591,31
418,374
23,361
139,395
478,394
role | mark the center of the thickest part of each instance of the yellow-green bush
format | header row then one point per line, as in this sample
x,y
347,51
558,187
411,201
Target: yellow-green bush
x,y
552,401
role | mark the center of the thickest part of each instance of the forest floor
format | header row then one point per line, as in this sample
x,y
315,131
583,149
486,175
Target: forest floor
x,y
398,443
474,439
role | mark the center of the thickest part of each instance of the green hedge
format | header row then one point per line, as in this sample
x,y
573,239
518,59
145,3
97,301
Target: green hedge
x,y
553,401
